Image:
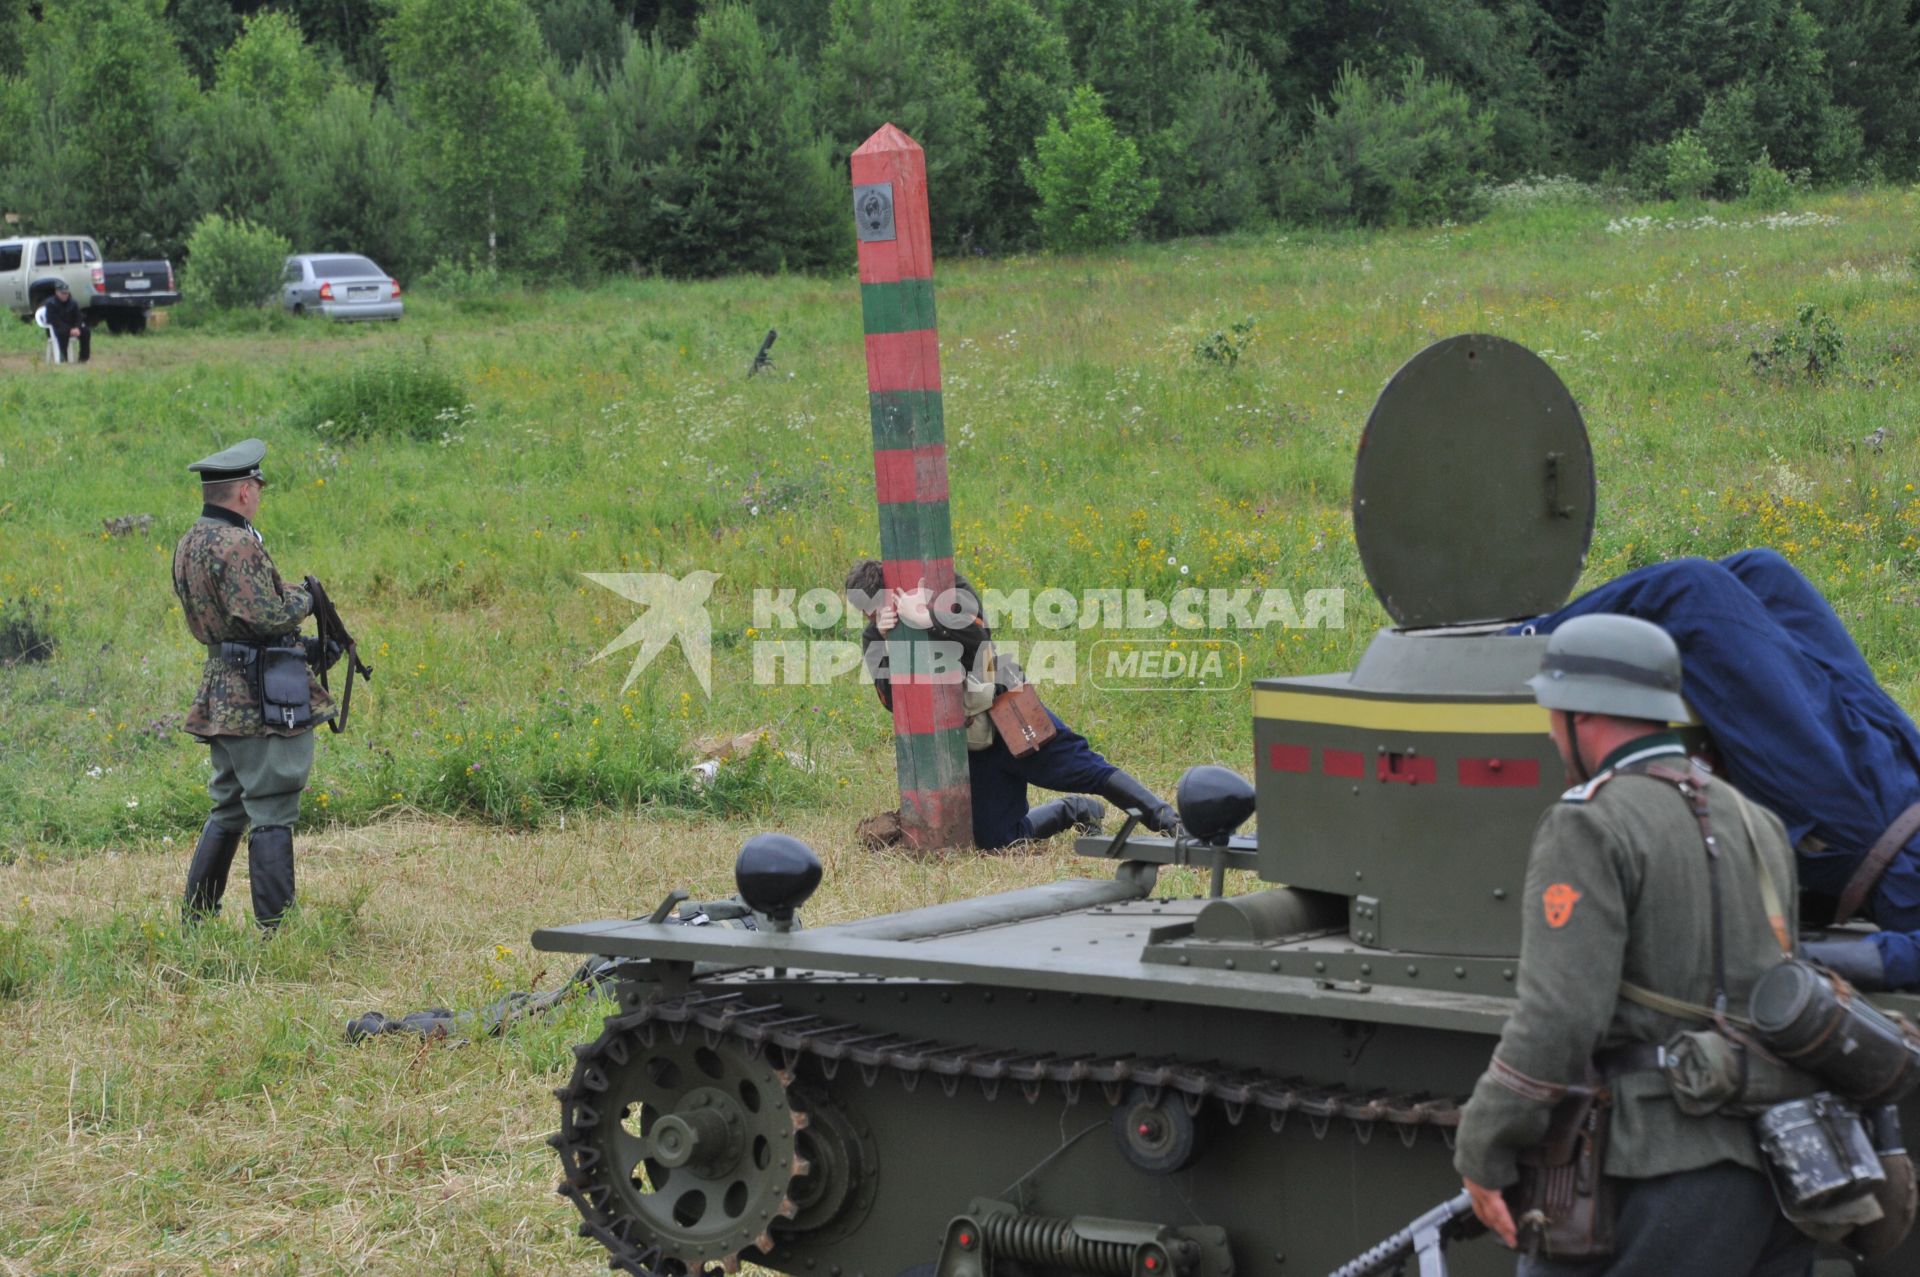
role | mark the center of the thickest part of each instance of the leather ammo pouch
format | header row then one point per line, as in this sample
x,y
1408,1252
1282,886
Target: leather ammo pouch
x,y
286,694
1021,720
1564,1203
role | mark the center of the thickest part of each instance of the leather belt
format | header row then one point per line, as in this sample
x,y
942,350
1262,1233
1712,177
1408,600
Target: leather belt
x,y
1867,876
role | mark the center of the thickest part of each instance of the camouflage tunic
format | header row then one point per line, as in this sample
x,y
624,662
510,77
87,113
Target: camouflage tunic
x,y
231,592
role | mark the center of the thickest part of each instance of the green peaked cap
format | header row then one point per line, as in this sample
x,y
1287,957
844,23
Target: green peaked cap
x,y
241,461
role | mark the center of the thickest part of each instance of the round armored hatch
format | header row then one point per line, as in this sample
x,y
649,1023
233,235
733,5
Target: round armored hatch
x,y
1473,494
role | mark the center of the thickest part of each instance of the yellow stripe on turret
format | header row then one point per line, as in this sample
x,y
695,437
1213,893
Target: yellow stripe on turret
x,y
1480,717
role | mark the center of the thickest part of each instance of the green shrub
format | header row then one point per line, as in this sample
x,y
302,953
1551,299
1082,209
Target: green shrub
x,y
231,262
1690,167
450,278
1811,347
1223,347
1088,177
1408,155
1730,131
406,394
24,635
1767,186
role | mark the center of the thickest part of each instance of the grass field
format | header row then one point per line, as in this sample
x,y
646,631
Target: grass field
x,y
186,1102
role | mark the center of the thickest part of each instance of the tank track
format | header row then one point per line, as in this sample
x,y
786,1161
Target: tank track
x,y
760,1028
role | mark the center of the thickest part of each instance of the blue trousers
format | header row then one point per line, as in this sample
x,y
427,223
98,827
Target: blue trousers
x,y
1800,721
1721,1219
1066,764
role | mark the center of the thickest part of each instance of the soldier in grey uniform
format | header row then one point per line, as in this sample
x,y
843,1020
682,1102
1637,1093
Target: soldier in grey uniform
x,y
1619,902
237,606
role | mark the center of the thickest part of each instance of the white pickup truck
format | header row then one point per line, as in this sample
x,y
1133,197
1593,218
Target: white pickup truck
x,y
117,294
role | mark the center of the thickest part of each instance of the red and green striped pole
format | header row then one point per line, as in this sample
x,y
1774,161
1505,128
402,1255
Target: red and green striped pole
x,y
910,477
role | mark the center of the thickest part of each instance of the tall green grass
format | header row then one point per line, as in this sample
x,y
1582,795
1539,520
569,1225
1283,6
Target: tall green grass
x,y
479,462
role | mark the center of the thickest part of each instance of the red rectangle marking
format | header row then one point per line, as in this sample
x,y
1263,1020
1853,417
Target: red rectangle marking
x,y
927,703
911,474
1343,762
903,361
1289,758
1406,769
1500,773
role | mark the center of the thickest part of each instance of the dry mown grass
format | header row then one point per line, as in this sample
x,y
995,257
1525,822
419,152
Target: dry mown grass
x,y
191,1105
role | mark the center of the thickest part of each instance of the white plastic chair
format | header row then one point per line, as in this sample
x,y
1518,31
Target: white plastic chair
x,y
53,342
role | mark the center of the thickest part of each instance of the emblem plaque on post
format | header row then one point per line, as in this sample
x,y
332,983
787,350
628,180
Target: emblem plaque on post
x,y
873,212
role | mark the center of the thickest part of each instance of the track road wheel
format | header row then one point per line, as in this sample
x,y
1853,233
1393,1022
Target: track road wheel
x,y
679,1154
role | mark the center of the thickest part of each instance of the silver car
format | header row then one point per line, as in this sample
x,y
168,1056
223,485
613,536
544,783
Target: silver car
x,y
339,286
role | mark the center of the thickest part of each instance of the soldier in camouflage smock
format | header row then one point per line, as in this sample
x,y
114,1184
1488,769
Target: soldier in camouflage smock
x,y
237,605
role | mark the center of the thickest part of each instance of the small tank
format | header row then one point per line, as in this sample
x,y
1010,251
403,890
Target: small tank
x,y
1091,1077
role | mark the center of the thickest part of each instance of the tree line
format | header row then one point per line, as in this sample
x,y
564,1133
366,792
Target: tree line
x,y
692,138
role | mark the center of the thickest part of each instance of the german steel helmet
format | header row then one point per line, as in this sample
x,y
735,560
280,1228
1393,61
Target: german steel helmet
x,y
1609,664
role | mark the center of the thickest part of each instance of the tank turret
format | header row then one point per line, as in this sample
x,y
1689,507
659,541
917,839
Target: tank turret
x,y
1473,506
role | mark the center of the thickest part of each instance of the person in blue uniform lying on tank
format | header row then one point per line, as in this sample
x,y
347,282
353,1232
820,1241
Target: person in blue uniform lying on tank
x,y
1800,724
1066,763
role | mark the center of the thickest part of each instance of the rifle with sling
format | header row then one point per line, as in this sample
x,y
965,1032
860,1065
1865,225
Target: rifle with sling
x,y
331,641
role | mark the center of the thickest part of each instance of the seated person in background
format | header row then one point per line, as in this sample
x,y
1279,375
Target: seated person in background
x,y
1066,763
1801,725
67,322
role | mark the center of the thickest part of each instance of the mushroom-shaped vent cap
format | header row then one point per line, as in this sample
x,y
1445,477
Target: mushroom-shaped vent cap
x,y
776,873
1213,801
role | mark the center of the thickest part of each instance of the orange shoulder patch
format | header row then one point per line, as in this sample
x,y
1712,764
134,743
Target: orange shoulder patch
x,y
1559,900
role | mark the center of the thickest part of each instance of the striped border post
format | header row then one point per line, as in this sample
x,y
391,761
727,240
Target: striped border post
x,y
910,477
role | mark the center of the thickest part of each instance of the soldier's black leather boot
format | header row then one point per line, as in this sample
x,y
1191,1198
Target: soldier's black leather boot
x,y
207,871
270,870
1075,810
1128,794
